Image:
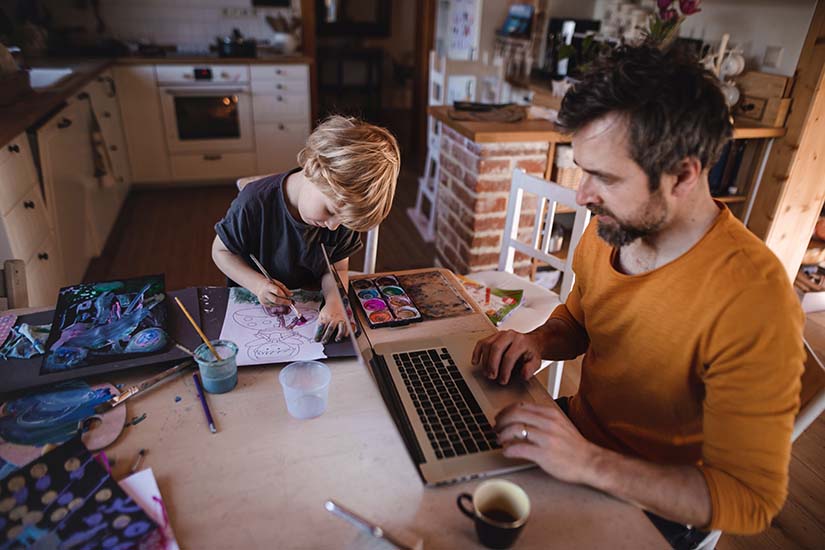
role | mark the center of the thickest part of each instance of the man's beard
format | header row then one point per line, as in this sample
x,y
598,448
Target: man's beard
x,y
619,234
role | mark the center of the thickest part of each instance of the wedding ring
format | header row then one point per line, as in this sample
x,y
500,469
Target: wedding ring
x,y
524,434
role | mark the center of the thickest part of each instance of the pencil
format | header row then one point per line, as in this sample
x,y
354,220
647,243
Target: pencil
x,y
138,460
197,329
204,404
266,274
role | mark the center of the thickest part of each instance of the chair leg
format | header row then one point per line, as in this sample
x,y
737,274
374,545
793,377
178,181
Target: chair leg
x,y
371,251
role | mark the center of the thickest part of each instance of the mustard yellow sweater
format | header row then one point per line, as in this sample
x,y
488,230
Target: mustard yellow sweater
x,y
696,362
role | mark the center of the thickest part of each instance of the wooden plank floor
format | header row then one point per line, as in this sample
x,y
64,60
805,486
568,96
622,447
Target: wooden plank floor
x,y
171,230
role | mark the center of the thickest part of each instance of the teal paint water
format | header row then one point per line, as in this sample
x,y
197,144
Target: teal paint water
x,y
218,376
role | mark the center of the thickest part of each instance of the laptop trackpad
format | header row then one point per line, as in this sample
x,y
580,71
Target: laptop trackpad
x,y
499,396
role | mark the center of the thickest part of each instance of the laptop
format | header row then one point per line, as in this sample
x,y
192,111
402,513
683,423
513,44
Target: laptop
x,y
443,407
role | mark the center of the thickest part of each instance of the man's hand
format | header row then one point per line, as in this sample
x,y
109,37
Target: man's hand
x,y
500,353
272,293
332,323
552,441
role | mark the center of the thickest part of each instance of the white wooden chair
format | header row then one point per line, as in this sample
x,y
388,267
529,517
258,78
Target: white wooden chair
x,y
539,302
371,248
476,74
13,284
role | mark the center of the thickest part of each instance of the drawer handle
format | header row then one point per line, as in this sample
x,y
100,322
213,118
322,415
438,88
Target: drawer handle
x,y
120,179
83,95
28,204
279,86
113,147
280,98
279,71
14,148
65,123
281,126
107,114
212,157
43,256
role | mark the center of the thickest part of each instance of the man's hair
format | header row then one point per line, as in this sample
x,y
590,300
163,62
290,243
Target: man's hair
x,y
672,105
355,164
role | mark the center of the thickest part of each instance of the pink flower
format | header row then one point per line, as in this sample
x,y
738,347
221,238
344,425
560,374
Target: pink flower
x,y
689,7
668,15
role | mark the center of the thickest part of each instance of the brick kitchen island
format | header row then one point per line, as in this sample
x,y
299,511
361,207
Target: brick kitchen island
x,y
477,161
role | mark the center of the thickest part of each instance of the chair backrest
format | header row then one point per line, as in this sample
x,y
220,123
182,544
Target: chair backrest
x,y
812,398
13,284
371,249
550,196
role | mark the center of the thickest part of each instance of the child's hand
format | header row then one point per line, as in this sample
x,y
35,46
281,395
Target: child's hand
x,y
273,293
332,322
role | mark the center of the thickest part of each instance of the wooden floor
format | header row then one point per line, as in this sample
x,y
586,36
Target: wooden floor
x,y
171,230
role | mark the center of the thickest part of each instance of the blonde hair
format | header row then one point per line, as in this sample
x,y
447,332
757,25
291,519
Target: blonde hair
x,y
356,164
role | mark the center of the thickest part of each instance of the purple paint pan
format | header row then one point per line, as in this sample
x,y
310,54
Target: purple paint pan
x,y
375,305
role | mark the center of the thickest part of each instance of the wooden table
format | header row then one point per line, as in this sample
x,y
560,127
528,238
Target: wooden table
x,y
261,481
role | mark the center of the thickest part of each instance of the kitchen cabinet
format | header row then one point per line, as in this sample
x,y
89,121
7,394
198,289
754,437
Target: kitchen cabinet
x,y
141,115
26,231
105,199
67,168
281,105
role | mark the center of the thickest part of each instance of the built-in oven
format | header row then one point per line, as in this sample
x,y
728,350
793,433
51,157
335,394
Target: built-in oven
x,y
206,109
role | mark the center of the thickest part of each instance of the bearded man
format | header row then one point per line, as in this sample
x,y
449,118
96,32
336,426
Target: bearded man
x,y
690,329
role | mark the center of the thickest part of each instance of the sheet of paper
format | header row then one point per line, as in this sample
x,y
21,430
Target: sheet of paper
x,y
263,338
143,488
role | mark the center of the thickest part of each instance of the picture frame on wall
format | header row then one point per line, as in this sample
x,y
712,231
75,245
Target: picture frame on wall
x,y
464,29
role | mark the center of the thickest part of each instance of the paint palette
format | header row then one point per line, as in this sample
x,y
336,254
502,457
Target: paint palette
x,y
385,302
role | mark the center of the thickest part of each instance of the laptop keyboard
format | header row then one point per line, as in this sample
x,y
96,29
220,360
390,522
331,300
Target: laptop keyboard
x,y
452,418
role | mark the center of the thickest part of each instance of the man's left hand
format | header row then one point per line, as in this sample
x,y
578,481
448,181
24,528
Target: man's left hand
x,y
552,441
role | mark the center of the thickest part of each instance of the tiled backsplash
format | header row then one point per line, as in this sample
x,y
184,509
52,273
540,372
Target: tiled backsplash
x,y
190,24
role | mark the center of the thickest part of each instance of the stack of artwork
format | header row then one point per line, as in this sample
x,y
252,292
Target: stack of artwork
x,y
97,323
269,337
65,499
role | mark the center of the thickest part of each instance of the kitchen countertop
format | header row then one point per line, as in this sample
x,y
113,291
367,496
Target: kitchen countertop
x,y
31,109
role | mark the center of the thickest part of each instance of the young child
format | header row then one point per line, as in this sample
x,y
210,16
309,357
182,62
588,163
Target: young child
x,y
344,185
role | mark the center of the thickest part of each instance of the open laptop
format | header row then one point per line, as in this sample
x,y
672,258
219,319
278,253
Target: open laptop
x,y
443,407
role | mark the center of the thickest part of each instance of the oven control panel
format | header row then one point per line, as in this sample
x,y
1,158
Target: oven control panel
x,y
202,74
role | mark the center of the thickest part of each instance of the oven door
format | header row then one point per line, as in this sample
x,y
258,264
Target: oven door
x,y
205,119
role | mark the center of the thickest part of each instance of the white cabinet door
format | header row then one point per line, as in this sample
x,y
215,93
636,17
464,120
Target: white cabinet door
x,y
142,122
17,172
44,274
68,175
278,144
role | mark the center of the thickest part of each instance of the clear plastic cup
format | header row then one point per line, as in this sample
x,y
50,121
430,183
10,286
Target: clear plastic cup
x,y
218,376
306,388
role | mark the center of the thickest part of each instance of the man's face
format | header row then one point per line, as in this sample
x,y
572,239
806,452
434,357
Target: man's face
x,y
614,186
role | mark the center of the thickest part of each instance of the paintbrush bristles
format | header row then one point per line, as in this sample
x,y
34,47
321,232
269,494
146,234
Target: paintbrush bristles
x,y
198,329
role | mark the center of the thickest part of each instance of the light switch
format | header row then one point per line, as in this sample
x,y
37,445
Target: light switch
x,y
773,56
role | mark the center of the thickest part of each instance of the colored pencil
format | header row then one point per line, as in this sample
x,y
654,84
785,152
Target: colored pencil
x,y
204,404
138,460
198,329
266,274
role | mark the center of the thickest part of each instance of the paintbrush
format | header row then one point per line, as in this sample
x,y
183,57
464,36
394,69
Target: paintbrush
x,y
265,273
198,329
132,391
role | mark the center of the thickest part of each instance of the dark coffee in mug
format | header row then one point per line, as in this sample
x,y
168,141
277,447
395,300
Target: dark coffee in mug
x,y
499,509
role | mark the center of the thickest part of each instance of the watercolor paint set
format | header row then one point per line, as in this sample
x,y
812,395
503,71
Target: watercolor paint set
x,y
385,302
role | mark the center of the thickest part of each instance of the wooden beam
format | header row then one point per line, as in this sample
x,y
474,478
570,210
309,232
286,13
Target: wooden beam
x,y
793,187
424,41
310,49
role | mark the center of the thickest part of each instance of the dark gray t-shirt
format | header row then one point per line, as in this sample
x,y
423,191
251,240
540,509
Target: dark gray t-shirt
x,y
259,223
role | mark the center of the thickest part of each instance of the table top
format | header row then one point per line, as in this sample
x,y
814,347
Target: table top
x,y
262,480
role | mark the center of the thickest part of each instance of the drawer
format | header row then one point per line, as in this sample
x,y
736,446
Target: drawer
x,y
269,87
212,166
17,173
280,107
27,224
44,274
280,73
221,74
278,145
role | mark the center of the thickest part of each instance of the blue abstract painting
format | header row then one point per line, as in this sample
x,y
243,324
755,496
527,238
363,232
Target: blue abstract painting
x,y
96,323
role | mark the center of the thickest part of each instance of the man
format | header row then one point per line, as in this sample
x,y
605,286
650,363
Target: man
x,y
691,332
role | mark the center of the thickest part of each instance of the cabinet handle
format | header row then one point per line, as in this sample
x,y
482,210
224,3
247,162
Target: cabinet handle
x,y
65,123
280,98
107,114
280,126
28,204
14,148
120,179
279,86
83,95
279,71
212,157
113,147
43,256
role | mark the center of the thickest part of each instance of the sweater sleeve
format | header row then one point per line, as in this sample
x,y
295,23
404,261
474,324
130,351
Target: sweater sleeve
x,y
752,382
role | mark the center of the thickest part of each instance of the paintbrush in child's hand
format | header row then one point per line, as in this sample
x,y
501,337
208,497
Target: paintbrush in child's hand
x,y
265,273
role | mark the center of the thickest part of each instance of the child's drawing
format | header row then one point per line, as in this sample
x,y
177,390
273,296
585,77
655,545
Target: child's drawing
x,y
272,337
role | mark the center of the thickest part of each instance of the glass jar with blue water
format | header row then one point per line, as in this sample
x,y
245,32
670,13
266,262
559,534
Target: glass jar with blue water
x,y
218,375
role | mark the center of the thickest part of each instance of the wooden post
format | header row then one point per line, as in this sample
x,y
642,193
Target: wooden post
x,y
309,49
14,277
793,187
424,40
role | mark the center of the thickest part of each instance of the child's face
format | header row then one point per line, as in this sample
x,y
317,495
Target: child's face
x,y
317,209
